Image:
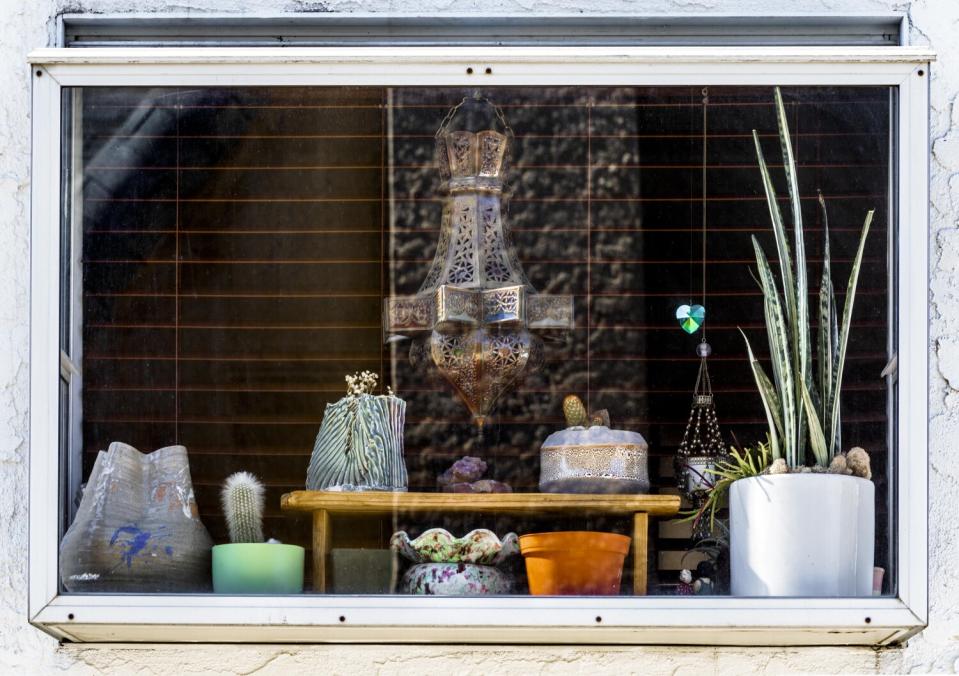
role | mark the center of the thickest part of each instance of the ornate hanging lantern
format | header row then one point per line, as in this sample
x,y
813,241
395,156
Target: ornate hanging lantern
x,y
476,304
702,443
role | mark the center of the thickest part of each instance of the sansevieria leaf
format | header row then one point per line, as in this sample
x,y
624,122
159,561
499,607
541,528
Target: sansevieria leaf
x,y
824,354
828,333
816,437
770,400
779,348
802,353
844,328
779,233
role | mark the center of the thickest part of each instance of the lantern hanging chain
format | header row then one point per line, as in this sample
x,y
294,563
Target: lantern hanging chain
x,y
703,303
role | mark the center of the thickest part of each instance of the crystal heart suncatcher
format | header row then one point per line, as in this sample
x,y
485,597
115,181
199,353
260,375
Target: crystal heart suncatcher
x,y
691,317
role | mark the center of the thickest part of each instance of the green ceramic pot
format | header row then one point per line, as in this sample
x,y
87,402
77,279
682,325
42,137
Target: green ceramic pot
x,y
257,568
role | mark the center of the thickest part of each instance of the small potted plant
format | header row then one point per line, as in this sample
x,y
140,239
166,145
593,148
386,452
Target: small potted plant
x,y
249,565
801,512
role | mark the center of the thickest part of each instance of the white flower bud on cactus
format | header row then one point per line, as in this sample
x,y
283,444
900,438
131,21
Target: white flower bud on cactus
x,y
242,499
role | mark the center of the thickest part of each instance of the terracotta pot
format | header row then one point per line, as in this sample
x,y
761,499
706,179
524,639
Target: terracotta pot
x,y
574,563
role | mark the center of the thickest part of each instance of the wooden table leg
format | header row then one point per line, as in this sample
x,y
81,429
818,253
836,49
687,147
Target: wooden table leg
x,y
640,533
322,540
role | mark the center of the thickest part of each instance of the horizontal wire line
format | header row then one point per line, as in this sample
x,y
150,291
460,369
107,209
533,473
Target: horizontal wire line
x,y
524,200
743,135
445,106
569,166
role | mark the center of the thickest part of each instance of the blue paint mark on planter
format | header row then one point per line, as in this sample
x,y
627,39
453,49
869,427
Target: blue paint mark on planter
x,y
132,541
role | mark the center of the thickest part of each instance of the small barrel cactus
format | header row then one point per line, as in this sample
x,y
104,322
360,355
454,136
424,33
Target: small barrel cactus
x,y
575,412
242,499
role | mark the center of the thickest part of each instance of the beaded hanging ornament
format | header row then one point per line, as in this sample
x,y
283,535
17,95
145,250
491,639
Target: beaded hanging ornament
x,y
702,443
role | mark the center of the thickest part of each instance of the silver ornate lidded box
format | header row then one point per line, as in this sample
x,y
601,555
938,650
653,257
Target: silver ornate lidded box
x,y
476,306
594,460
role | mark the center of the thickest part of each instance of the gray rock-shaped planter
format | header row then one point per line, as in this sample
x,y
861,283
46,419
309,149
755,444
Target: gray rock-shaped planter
x,y
138,527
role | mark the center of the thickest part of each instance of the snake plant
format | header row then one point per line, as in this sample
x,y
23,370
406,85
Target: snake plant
x,y
802,400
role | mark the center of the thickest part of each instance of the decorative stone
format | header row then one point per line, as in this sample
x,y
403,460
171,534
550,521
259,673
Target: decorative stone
x,y
857,460
138,527
438,545
704,349
691,317
838,465
599,418
779,466
464,477
360,446
481,486
465,470
490,486
456,579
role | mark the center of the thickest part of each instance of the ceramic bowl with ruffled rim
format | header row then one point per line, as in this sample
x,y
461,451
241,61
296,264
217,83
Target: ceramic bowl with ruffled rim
x,y
438,545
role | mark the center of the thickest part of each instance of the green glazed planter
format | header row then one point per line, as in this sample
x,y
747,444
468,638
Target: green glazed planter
x,y
257,568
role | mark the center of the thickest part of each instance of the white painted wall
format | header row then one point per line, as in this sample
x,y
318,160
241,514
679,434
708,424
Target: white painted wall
x,y
26,24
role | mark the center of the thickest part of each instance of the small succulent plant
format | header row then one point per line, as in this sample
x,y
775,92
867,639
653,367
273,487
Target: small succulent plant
x,y
242,499
576,414
575,411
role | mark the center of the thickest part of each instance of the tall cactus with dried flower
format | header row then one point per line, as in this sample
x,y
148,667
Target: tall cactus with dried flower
x,y
801,401
242,499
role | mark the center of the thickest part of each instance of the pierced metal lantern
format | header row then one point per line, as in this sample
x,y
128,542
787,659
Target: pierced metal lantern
x,y
477,308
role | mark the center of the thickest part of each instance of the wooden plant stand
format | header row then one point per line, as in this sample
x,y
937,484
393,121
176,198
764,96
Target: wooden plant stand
x,y
326,506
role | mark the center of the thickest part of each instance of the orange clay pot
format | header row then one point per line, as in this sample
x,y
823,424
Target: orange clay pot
x,y
581,563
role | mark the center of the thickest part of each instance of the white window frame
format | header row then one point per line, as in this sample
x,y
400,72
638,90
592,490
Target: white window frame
x,y
651,619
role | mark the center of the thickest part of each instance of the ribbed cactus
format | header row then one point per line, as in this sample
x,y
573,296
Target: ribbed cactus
x,y
575,411
242,499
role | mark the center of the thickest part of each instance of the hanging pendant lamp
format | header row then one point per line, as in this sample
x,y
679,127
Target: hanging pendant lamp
x,y
477,309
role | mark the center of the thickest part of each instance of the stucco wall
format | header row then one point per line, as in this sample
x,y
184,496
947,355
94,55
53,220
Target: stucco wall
x,y
26,24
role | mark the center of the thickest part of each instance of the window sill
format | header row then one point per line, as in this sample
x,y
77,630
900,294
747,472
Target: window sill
x,y
391,619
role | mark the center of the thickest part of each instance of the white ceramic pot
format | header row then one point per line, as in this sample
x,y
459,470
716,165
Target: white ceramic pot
x,y
801,535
